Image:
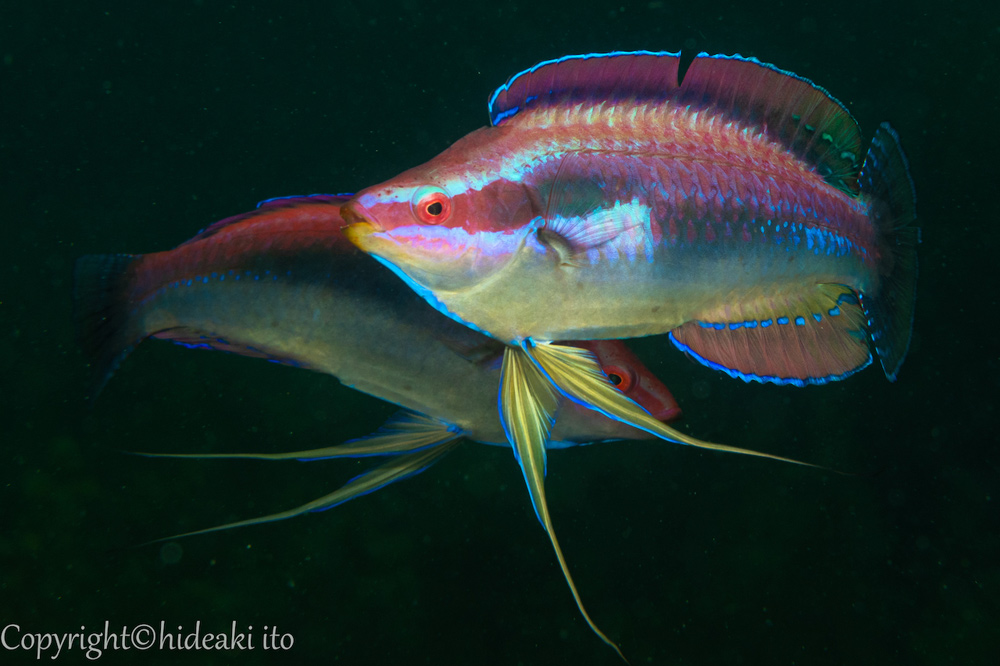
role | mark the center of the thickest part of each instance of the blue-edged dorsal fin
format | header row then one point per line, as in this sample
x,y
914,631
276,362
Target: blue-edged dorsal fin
x,y
799,340
789,109
590,77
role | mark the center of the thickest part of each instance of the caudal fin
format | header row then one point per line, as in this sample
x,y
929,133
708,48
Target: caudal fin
x,y
885,180
101,313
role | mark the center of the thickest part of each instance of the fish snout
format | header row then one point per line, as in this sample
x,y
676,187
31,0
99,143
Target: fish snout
x,y
667,413
358,222
358,232
353,213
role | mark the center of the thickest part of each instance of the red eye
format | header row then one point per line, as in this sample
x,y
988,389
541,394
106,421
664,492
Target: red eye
x,y
620,377
431,205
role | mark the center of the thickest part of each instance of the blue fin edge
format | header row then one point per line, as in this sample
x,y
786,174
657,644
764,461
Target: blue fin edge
x,y
586,56
767,379
303,196
494,120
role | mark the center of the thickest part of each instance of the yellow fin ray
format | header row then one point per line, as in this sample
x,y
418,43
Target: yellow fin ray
x,y
527,405
405,431
395,469
576,372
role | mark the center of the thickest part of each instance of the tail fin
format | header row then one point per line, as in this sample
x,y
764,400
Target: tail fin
x,y
885,179
104,328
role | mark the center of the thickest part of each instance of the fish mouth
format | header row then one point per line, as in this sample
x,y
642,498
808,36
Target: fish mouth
x,y
666,414
357,232
359,224
354,212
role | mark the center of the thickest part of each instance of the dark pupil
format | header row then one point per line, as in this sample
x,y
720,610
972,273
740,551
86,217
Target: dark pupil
x,y
615,379
435,208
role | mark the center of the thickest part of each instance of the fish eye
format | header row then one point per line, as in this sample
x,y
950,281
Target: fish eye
x,y
431,205
620,377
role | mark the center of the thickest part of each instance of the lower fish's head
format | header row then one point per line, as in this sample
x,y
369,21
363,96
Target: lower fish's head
x,y
435,237
627,372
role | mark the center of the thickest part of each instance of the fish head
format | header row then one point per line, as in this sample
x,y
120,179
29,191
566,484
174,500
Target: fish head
x,y
436,231
631,376
581,424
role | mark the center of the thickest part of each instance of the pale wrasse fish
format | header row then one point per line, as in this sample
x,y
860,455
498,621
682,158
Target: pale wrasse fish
x,y
281,283
733,208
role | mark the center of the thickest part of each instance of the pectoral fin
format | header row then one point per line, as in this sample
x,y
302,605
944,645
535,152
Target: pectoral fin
x,y
527,406
580,214
405,431
396,469
577,375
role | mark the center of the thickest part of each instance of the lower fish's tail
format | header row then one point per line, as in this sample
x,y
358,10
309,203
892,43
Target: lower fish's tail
x,y
885,180
105,329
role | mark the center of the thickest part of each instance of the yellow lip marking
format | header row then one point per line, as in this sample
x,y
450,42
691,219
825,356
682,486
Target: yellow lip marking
x,y
358,232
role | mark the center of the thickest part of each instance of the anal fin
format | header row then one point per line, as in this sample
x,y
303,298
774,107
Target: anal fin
x,y
812,339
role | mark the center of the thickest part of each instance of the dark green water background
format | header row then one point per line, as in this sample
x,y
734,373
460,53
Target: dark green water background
x,y
127,127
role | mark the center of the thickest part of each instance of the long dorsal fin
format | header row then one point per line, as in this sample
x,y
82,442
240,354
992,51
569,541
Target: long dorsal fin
x,y
590,77
789,109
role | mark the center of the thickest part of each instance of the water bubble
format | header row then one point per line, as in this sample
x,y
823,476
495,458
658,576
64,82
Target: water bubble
x,y
171,553
701,389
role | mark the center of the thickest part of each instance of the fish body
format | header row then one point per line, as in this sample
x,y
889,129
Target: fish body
x,y
282,283
609,199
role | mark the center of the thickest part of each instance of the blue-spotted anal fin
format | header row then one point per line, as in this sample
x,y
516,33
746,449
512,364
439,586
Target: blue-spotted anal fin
x,y
814,339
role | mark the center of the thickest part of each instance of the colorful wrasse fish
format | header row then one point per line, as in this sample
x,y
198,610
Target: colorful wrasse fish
x,y
282,283
611,198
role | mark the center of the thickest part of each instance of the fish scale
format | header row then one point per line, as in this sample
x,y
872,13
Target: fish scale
x,y
750,177
766,252
678,203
